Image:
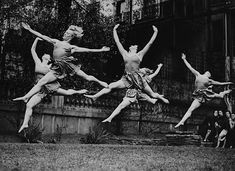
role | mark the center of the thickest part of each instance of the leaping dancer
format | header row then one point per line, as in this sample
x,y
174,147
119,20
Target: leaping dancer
x,y
132,76
134,95
203,90
42,68
64,64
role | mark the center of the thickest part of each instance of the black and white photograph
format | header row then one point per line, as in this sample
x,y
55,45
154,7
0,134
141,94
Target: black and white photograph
x,y
117,85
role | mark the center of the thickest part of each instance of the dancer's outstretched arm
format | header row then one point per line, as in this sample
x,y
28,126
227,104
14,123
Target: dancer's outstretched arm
x,y
118,43
195,72
36,59
148,45
220,83
82,49
156,72
46,38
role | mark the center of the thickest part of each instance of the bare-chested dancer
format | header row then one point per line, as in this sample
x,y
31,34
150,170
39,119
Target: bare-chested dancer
x,y
134,95
203,90
132,76
64,64
42,68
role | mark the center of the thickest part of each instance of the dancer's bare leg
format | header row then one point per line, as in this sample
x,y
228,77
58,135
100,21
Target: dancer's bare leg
x,y
29,110
115,85
225,140
150,100
71,91
150,92
221,94
49,77
121,106
90,78
207,135
195,104
221,137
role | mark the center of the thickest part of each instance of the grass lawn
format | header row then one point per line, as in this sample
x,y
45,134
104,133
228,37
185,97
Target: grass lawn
x,y
113,157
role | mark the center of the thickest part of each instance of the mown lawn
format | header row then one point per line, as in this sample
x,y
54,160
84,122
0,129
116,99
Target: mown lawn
x,y
113,157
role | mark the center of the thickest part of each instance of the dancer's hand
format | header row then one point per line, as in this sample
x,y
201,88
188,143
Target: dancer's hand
x,y
83,91
26,26
38,38
116,26
183,56
105,48
155,28
229,83
160,65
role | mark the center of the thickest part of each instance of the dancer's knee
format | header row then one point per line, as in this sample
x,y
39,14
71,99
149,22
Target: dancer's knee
x,y
29,106
41,82
111,85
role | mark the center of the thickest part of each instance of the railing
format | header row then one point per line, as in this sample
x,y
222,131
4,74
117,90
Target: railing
x,y
77,113
173,90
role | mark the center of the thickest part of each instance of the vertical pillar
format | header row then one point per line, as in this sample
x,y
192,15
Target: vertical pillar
x,y
131,11
227,62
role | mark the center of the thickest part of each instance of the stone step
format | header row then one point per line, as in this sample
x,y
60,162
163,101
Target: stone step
x,y
183,139
206,144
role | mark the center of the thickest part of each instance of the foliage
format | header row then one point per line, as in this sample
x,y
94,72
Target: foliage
x,y
97,28
56,137
96,135
32,134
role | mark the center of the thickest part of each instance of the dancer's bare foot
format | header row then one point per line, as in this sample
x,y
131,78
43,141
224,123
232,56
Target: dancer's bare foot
x,y
25,99
91,96
225,92
179,124
104,84
154,101
83,91
164,99
107,120
22,127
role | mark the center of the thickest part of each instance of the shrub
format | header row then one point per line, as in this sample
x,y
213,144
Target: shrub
x,y
33,134
96,135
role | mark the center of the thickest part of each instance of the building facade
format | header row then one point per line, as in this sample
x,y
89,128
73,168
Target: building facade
x,y
203,29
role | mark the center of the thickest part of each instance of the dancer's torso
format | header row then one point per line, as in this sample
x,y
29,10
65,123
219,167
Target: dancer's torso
x,y
132,63
202,82
61,49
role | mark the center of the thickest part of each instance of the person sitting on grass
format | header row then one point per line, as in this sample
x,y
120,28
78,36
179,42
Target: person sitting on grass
x,y
207,128
231,132
224,127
